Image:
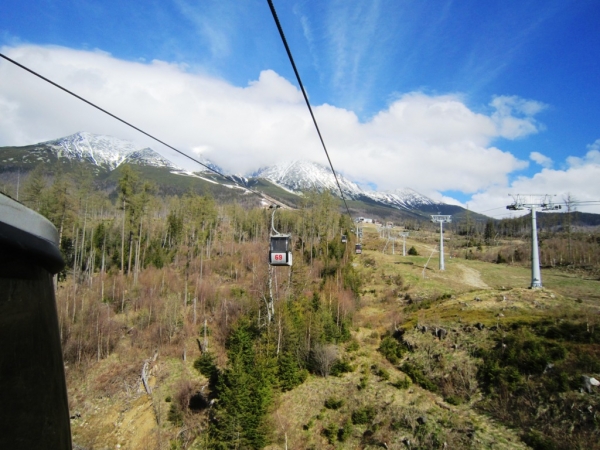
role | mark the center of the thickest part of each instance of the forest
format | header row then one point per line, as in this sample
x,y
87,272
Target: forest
x,y
177,275
171,298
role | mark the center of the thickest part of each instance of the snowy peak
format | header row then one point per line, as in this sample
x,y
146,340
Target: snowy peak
x,y
106,151
404,198
299,176
148,157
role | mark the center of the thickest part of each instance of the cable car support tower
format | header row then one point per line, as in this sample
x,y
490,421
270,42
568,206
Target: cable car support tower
x,y
404,235
441,219
529,202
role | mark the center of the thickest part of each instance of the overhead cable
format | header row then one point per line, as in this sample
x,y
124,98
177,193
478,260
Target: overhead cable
x,y
227,177
289,53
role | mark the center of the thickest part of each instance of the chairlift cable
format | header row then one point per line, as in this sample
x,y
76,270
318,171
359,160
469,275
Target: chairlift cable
x,y
227,177
289,53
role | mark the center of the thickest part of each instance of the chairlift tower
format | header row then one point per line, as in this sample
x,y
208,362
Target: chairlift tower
x,y
441,220
404,235
529,202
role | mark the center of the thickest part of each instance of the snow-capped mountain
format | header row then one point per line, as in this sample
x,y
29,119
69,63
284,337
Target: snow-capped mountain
x,y
110,152
404,198
299,176
148,157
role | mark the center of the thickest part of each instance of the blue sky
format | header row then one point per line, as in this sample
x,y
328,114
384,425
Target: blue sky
x,y
463,101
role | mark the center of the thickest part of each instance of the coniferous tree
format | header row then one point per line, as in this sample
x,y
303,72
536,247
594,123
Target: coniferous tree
x,y
34,188
244,391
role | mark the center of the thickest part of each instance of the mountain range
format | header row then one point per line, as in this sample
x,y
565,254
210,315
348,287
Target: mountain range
x,y
106,154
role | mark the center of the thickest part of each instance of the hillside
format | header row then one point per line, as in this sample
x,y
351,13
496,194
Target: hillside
x,y
391,383
176,333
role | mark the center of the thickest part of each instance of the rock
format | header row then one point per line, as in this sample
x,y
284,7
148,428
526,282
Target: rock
x,y
422,420
588,382
479,326
440,333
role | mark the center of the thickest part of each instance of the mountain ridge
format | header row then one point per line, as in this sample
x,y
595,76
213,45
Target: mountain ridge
x,y
299,176
107,153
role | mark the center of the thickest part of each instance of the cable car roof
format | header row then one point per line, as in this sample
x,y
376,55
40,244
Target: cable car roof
x,y
29,233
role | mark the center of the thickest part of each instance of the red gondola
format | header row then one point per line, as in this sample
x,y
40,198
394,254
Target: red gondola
x,y
280,248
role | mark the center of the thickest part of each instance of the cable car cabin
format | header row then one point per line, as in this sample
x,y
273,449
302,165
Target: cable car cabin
x,y
280,251
35,409
344,239
358,249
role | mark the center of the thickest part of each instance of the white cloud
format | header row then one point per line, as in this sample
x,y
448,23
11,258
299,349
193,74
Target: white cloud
x,y
595,146
591,157
579,180
542,160
429,143
514,116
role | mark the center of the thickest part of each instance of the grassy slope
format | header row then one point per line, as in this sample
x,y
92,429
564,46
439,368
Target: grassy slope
x,y
115,410
300,416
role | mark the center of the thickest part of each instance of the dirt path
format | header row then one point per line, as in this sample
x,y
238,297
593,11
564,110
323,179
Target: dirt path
x,y
472,277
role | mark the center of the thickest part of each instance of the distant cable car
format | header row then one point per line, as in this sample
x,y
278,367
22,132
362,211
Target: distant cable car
x,y
358,249
344,239
280,253
35,408
280,249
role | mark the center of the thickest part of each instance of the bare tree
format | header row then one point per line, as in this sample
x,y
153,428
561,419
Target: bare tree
x,y
324,356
